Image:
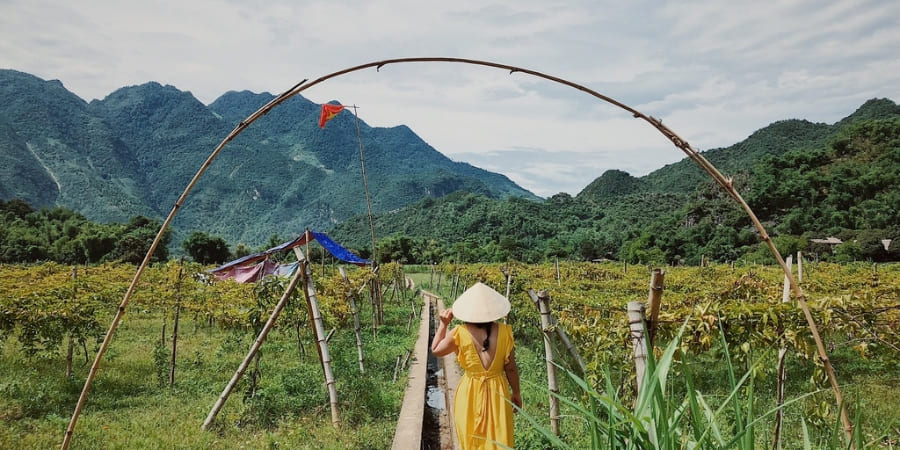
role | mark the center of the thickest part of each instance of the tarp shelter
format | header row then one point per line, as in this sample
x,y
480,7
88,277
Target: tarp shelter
x,y
251,268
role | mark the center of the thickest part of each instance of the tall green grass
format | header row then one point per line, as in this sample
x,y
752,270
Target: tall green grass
x,y
661,417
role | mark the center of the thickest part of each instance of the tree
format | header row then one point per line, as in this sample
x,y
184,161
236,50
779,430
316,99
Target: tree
x,y
135,239
206,249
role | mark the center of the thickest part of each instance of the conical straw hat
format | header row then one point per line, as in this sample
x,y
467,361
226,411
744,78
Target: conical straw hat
x,y
480,304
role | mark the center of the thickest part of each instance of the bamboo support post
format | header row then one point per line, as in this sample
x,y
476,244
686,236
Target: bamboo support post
x,y
558,276
396,369
312,301
253,350
799,266
567,342
570,347
508,275
654,300
70,348
636,324
175,324
357,330
780,374
542,301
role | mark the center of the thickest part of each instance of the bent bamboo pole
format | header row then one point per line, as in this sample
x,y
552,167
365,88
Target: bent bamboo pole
x,y
722,181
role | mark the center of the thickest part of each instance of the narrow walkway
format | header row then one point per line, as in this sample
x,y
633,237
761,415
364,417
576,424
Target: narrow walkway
x,y
408,434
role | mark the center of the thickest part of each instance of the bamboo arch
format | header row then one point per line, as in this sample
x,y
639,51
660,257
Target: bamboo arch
x,y
721,180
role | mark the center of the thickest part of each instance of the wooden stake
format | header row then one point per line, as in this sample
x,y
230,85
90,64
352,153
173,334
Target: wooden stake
x,y
780,374
396,369
542,301
636,324
654,299
357,330
175,325
558,277
71,347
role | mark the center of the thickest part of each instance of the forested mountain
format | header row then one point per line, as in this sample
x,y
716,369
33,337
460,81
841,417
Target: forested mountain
x,y
127,158
133,153
803,180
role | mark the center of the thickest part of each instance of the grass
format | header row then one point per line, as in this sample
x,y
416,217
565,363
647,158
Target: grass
x,y
128,408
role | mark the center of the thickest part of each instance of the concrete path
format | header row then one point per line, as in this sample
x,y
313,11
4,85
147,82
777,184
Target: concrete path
x,y
409,425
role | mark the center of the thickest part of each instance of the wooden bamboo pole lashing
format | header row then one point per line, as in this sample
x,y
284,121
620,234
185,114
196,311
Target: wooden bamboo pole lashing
x,y
542,301
211,417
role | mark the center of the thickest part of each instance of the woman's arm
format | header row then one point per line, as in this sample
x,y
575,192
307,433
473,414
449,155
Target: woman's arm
x,y
443,343
512,374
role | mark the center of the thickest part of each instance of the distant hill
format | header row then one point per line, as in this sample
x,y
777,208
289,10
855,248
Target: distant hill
x,y
133,153
802,179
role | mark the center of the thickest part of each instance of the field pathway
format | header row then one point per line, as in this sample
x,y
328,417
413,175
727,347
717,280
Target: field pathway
x,y
409,432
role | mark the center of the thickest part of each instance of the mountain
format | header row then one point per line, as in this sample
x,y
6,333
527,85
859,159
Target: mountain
x,y
803,180
775,139
133,153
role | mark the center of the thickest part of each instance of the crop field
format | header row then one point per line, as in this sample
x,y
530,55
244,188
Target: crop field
x,y
720,318
280,402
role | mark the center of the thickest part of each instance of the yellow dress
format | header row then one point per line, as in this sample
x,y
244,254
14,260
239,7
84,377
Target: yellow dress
x,y
481,410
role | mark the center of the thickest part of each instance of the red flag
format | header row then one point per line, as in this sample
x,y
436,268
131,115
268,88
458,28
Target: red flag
x,y
329,111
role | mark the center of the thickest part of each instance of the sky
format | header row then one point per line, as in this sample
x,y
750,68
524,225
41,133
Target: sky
x,y
713,71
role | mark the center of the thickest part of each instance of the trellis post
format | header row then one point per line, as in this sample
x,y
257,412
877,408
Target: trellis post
x,y
542,301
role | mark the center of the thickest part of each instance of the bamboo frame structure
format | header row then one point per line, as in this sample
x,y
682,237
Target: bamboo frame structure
x,y
211,417
724,182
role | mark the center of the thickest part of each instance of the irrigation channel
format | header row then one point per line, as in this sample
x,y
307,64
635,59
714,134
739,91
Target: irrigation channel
x,y
425,416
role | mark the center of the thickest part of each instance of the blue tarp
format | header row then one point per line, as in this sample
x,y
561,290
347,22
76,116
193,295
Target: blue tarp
x,y
334,248
337,251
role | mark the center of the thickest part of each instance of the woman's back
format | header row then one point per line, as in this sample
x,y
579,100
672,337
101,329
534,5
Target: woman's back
x,y
482,411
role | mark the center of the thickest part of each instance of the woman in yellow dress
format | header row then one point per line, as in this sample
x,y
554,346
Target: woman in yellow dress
x,y
482,410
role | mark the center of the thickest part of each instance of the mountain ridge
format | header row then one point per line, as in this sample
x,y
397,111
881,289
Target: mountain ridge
x,y
133,152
